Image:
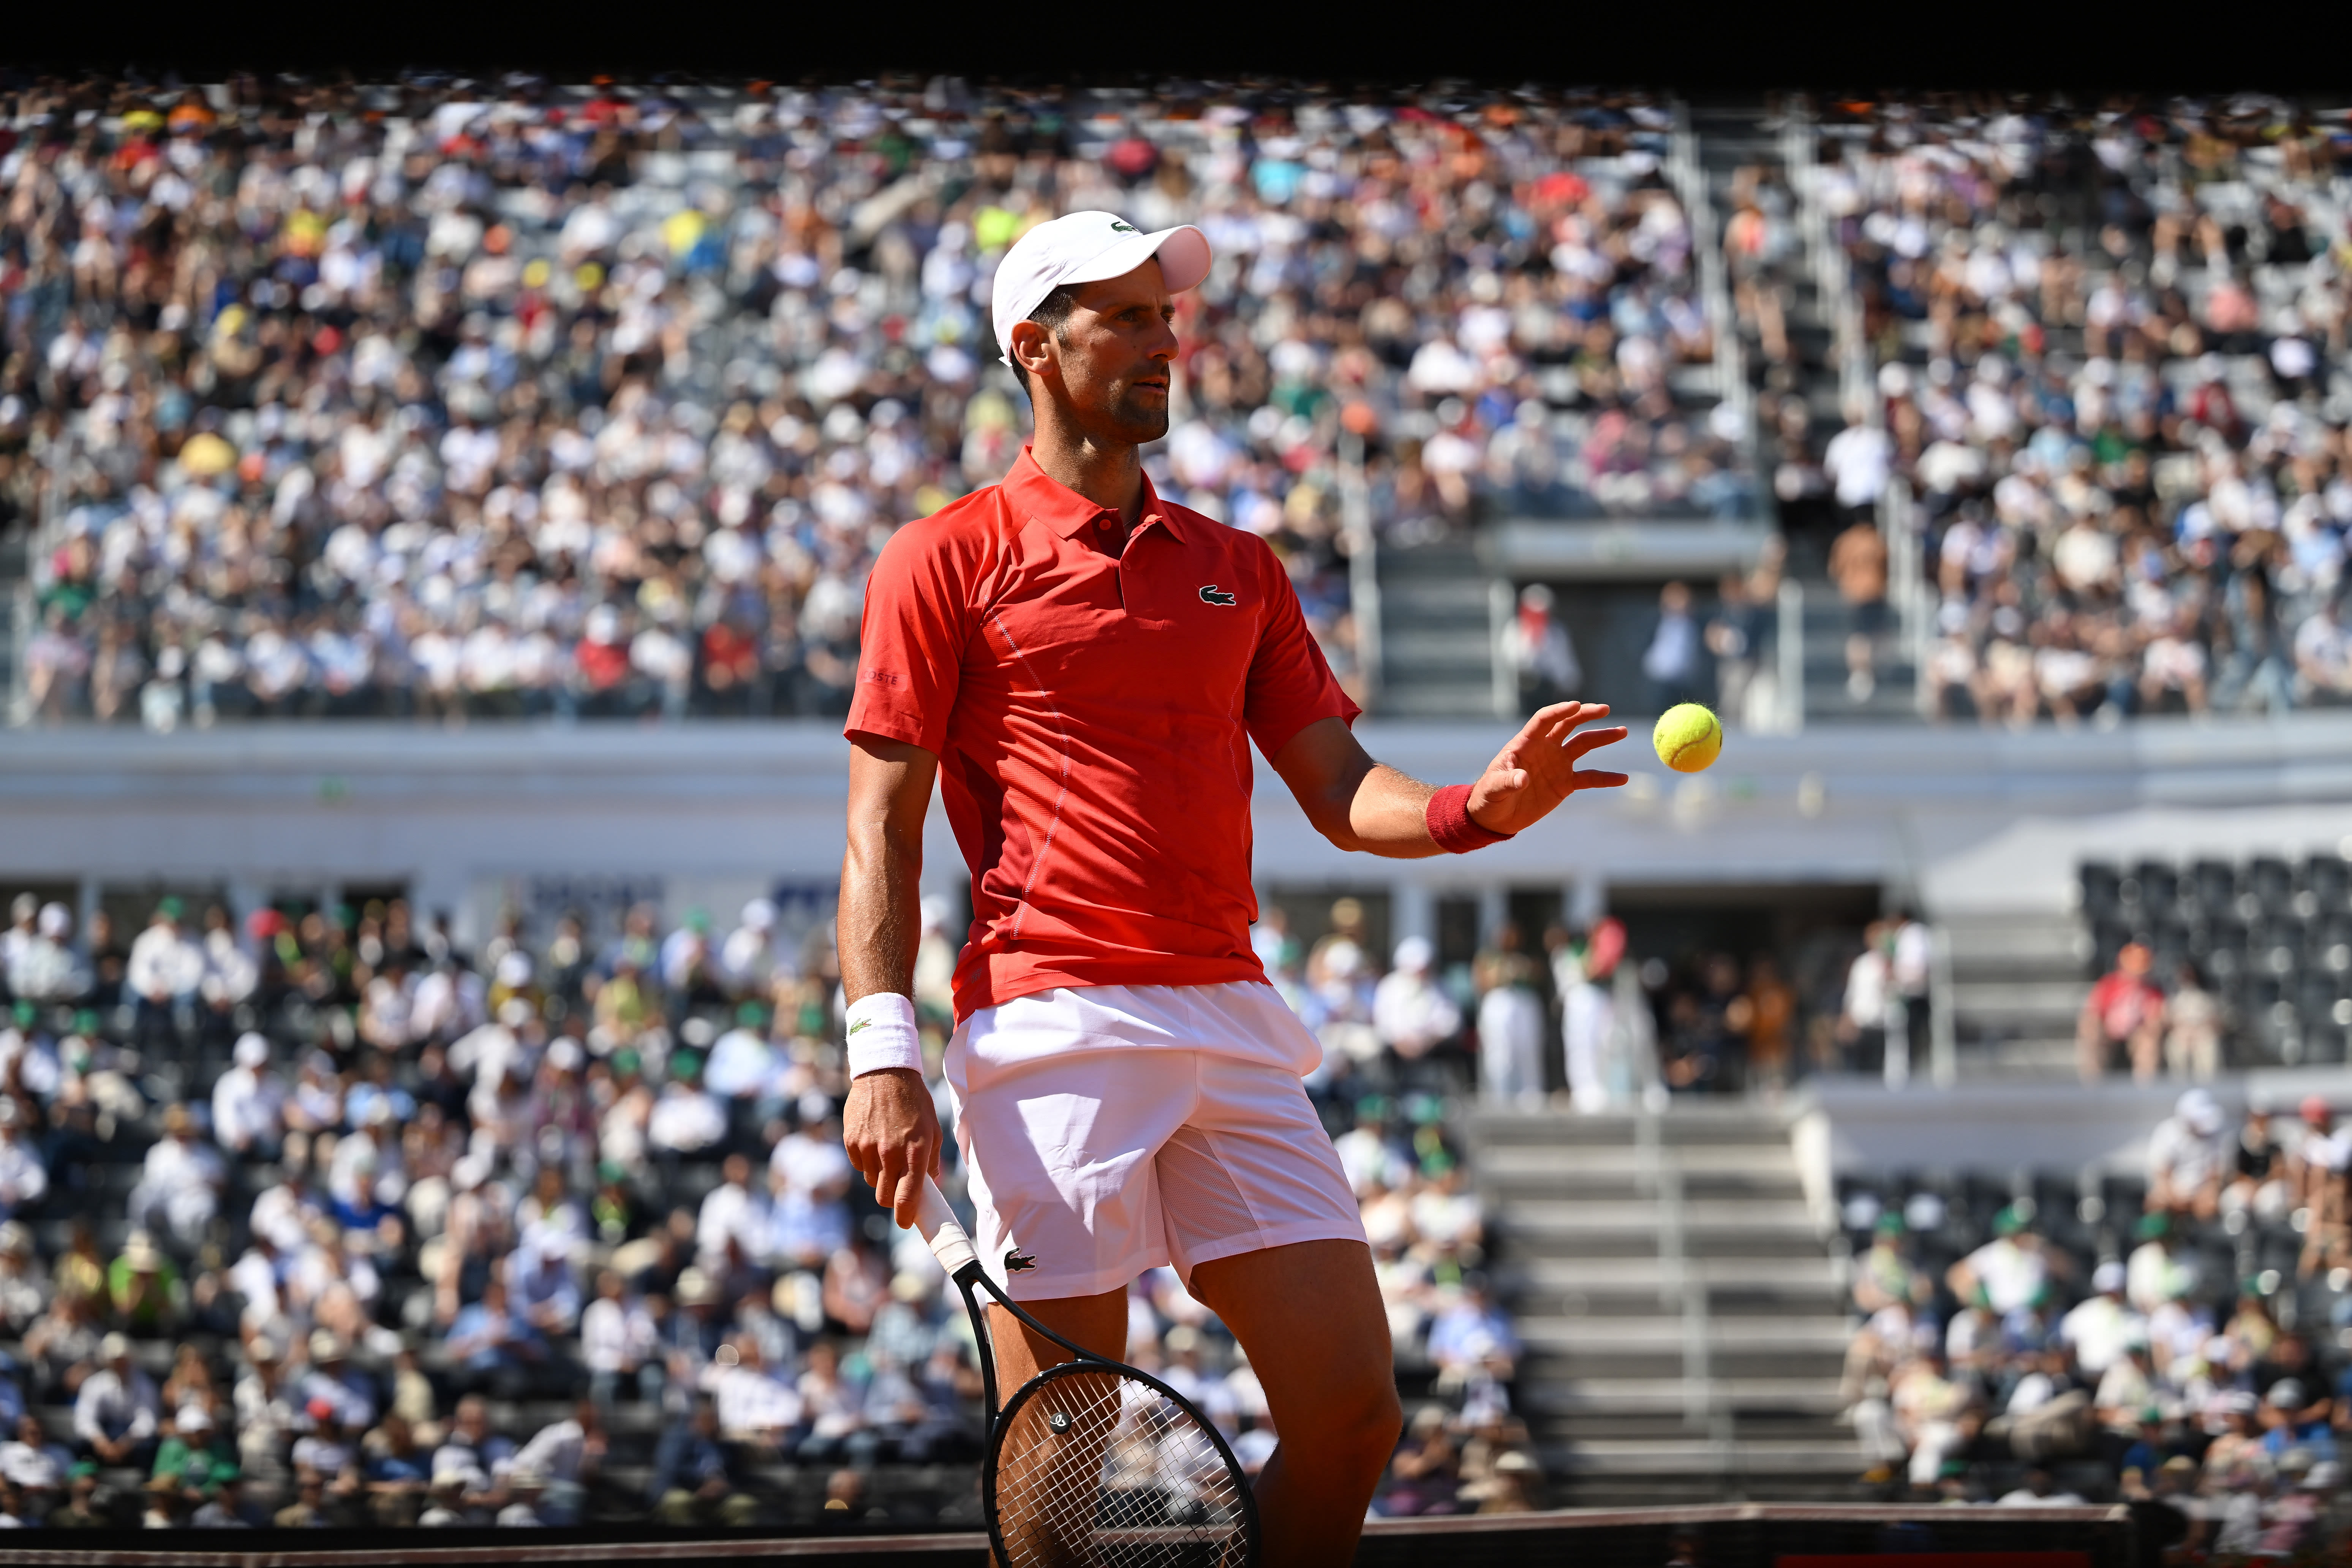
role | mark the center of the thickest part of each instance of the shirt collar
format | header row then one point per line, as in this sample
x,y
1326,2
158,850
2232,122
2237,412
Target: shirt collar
x,y
1067,512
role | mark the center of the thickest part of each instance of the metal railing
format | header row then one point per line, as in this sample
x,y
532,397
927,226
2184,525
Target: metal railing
x,y
1788,653
1688,176
1364,564
1826,258
1502,608
1908,593
56,461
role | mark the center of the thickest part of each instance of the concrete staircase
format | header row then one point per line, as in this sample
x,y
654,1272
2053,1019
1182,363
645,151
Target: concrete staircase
x,y
1437,633
1680,1311
14,553
2018,983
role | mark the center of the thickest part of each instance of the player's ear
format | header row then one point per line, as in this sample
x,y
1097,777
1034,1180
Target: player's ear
x,y
1031,348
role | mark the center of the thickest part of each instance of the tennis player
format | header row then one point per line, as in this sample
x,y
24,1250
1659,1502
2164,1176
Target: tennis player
x,y
1081,666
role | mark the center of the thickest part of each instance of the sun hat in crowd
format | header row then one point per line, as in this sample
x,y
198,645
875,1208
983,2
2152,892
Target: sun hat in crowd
x,y
1085,247
252,1049
2108,1276
2199,1111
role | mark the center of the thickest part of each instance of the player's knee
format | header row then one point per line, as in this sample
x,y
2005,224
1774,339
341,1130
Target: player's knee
x,y
1363,1422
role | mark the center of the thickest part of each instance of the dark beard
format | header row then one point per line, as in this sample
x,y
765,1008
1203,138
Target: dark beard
x,y
1138,422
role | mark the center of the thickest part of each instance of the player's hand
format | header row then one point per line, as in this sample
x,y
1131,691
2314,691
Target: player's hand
x,y
891,1130
1538,770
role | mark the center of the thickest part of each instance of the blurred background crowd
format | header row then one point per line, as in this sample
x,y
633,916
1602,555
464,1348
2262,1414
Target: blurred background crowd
x,y
458,398
310,1217
2104,350
2173,1336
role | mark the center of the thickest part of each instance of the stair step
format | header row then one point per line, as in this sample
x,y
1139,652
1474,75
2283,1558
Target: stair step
x,y
1637,1456
1554,1217
1650,1395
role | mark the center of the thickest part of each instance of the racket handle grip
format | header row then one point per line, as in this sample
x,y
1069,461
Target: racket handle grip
x,y
940,1228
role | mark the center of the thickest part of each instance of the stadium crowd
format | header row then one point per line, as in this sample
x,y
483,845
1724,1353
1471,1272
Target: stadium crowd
x,y
2175,1336
315,1220
448,398
2109,348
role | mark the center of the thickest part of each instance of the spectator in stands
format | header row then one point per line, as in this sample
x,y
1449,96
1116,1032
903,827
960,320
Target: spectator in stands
x,y
115,1416
2257,1181
2193,1021
180,1186
23,1179
2008,1273
1671,659
164,972
1862,1032
2316,1170
248,1118
1858,566
2125,1008
2157,1274
1537,645
43,966
2188,1158
1411,1014
2100,1327
1510,1022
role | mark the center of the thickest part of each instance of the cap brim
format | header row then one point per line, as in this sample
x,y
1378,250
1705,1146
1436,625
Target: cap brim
x,y
1183,253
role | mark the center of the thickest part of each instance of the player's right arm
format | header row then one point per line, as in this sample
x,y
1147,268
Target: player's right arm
x,y
889,1125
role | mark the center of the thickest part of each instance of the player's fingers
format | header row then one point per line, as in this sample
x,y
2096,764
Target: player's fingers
x,y
911,1197
1593,739
887,1179
1597,781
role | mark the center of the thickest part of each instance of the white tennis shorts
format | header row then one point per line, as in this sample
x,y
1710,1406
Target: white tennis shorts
x,y
1111,1129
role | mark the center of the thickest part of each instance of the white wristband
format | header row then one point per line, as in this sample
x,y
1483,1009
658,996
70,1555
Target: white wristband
x,y
882,1034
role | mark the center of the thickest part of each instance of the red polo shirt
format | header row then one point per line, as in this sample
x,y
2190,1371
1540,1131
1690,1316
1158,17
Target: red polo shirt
x,y
1091,715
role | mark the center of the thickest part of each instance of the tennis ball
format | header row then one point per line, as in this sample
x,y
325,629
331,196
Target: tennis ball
x,y
1688,738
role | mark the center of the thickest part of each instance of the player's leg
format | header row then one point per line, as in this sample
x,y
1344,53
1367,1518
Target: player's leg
x,y
1098,1322
1311,1318
1038,1466
1059,1142
1263,1226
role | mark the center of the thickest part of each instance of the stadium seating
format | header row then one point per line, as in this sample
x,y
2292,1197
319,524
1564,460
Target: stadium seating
x,y
2107,349
425,398
2272,941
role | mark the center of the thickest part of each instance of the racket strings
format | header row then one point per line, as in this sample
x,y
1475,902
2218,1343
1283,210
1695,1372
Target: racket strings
x,y
1097,1470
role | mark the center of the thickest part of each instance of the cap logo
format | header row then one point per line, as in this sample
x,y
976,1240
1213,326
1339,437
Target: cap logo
x,y
1120,225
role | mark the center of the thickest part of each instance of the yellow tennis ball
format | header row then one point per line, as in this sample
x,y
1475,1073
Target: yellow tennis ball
x,y
1688,738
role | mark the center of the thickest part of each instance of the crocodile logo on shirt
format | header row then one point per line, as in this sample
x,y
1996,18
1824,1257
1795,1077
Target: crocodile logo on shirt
x,y
1212,594
1017,1261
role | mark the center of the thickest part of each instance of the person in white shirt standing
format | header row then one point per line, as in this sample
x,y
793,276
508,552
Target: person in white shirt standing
x,y
1588,1016
1411,1014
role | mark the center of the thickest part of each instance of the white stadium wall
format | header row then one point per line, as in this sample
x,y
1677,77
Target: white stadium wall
x,y
1963,821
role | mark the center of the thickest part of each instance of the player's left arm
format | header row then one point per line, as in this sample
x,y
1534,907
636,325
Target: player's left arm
x,y
1360,803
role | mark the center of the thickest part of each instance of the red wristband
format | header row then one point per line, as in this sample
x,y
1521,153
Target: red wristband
x,y
1450,825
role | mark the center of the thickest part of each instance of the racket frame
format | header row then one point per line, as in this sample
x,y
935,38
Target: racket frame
x,y
965,1268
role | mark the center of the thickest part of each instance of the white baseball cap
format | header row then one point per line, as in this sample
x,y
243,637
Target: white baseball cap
x,y
1085,247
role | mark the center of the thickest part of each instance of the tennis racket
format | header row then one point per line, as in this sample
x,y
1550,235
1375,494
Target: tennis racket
x,y
1093,1463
